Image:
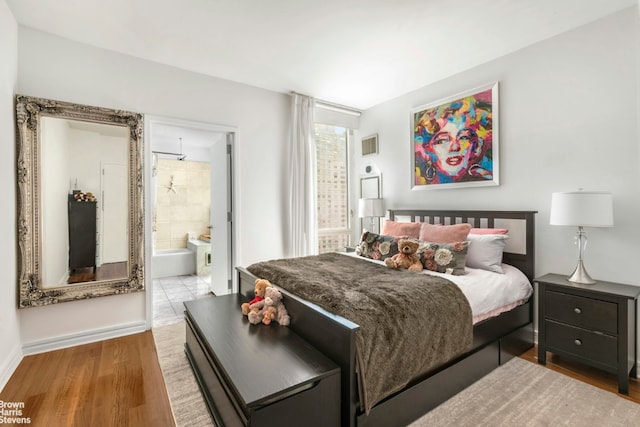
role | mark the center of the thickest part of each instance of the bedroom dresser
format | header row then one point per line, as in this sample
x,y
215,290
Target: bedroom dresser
x,y
258,375
594,324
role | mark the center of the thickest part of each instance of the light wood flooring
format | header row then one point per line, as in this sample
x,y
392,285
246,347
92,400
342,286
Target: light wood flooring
x,y
118,382
109,271
584,373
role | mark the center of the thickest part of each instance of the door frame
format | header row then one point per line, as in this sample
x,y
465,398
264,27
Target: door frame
x,y
150,120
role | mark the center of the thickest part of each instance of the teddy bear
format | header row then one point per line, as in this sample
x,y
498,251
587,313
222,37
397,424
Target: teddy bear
x,y
258,311
274,308
257,302
407,257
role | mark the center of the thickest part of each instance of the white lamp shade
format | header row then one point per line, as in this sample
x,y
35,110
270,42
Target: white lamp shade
x,y
582,208
371,208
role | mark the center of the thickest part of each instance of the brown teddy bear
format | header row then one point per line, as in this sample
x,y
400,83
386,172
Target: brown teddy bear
x,y
256,303
274,308
407,257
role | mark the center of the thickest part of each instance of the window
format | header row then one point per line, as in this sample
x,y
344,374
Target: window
x,y
332,187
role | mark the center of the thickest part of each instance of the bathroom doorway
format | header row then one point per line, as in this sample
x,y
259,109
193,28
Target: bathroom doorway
x,y
189,227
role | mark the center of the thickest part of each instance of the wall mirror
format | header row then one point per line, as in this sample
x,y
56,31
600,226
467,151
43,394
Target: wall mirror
x,y
80,201
370,188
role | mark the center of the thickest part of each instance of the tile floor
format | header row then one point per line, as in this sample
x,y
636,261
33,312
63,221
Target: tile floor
x,y
169,293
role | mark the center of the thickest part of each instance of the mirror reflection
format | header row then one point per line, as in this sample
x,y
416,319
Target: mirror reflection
x,y
370,188
80,201
84,201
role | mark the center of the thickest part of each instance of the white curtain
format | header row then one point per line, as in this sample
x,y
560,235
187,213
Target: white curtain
x,y
303,225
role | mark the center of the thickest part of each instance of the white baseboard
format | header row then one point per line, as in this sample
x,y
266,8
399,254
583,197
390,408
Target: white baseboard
x,y
87,337
9,366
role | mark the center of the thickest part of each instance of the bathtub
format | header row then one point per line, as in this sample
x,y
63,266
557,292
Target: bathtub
x,y
173,262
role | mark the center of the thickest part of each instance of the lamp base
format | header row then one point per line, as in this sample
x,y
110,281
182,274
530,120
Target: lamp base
x,y
580,275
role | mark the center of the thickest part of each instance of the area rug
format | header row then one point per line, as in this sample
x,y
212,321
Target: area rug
x,y
187,403
519,393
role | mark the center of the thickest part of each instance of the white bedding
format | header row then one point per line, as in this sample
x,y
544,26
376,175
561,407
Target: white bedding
x,y
488,293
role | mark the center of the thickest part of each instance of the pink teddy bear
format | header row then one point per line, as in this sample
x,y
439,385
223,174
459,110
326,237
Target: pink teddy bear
x,y
274,308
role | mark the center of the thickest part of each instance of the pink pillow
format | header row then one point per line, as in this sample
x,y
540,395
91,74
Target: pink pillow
x,y
489,231
401,229
444,233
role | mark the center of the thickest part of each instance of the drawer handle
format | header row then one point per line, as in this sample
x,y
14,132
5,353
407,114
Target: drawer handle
x,y
577,342
577,310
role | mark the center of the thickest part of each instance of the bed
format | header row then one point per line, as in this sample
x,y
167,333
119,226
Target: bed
x,y
494,339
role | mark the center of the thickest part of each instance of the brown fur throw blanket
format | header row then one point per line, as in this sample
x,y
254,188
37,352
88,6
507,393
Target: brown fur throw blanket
x,y
410,323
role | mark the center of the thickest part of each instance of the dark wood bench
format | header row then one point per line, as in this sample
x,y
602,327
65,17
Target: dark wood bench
x,y
258,375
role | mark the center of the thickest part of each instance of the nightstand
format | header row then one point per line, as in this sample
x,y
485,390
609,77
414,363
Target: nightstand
x,y
594,324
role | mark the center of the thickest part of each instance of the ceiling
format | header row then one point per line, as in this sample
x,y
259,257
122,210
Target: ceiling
x,y
357,53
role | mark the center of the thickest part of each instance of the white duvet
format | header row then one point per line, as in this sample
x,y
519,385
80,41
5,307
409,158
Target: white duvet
x,y
488,293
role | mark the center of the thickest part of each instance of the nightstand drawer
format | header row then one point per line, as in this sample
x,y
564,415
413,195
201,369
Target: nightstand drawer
x,y
582,343
583,312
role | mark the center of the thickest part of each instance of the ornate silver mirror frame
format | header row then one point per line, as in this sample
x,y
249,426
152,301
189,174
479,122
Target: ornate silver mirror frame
x,y
32,291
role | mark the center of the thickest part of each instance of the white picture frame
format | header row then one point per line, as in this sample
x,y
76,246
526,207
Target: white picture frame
x,y
455,141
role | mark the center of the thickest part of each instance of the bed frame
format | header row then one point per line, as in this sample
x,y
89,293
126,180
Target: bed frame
x,y
495,340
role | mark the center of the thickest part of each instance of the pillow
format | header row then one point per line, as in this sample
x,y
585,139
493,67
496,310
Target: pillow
x,y
398,229
488,231
444,233
485,251
446,258
377,246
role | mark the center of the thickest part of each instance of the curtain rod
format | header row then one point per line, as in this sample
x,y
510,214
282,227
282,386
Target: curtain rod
x,y
333,106
180,156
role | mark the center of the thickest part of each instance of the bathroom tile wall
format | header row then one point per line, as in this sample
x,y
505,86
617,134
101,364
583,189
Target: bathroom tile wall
x,y
183,207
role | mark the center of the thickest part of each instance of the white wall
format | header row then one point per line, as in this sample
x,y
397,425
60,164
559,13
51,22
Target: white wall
x,y
10,352
54,165
52,67
568,119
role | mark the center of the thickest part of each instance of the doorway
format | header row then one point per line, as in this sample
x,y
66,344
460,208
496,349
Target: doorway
x,y
113,223
189,215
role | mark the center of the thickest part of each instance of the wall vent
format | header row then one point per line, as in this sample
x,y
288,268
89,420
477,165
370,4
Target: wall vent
x,y
370,145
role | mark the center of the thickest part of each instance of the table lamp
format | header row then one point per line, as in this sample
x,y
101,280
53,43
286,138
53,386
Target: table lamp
x,y
371,208
582,209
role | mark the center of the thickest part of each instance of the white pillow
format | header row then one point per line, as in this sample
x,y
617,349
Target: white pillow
x,y
485,251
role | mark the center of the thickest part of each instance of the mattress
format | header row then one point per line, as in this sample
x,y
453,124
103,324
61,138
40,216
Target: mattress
x,y
488,293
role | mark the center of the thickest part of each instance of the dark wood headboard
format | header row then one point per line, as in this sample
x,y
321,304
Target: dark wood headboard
x,y
525,262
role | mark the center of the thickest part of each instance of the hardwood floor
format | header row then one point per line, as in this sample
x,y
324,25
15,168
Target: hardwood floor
x,y
113,270
584,373
118,382
115,382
